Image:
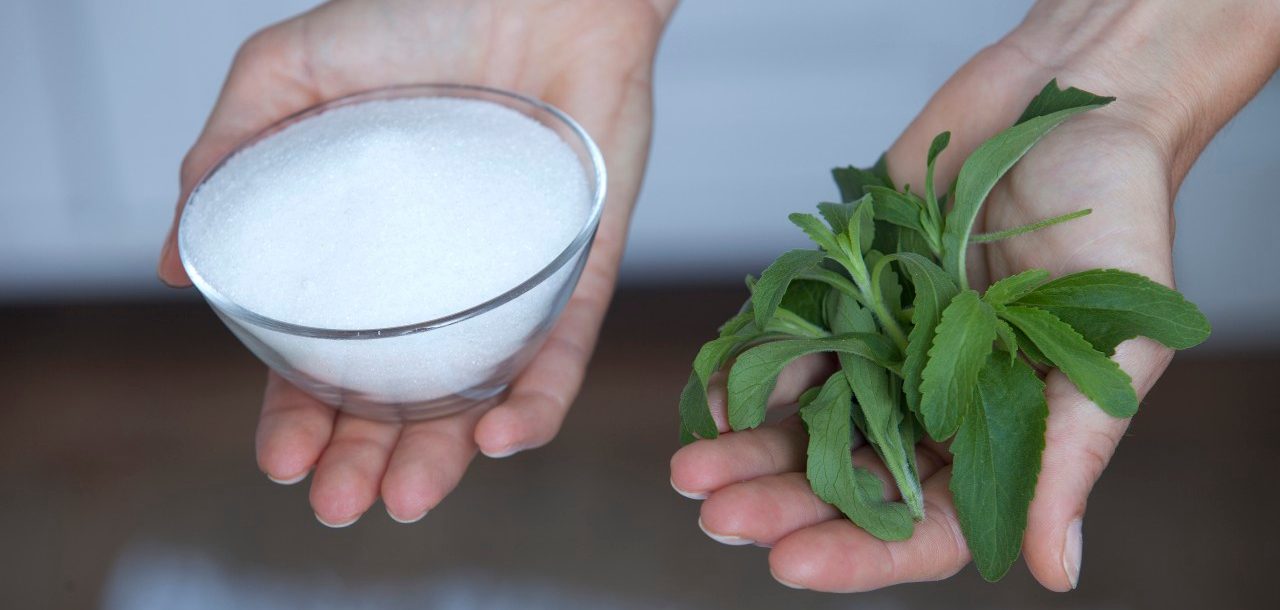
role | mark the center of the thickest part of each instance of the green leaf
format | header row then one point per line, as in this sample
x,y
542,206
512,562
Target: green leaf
x,y
986,165
997,461
878,400
1029,348
1096,375
817,231
1108,306
853,181
855,491
695,413
1007,338
755,373
889,286
855,221
933,291
915,243
950,377
894,207
1012,288
777,277
1051,99
804,299
939,144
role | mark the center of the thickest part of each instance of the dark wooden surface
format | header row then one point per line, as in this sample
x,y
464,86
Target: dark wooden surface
x,y
127,478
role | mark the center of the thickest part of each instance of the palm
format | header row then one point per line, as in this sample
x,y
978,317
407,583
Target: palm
x,y
589,57
754,481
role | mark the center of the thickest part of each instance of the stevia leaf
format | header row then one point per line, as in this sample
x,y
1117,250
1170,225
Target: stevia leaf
x,y
1006,338
1015,286
695,413
915,243
890,285
1097,376
1052,99
950,377
817,231
1029,348
804,298
934,289
859,225
837,215
777,277
986,165
1109,306
896,208
755,373
886,239
807,396
939,144
852,181
686,436
997,461
878,401
855,491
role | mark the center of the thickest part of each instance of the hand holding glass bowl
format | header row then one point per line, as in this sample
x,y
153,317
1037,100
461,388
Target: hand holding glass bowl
x,y
343,47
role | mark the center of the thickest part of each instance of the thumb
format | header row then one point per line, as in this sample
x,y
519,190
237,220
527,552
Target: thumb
x,y
1079,441
266,83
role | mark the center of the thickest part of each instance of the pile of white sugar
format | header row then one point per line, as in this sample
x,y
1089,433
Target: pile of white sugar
x,y
387,213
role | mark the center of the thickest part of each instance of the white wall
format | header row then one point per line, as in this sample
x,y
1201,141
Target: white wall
x,y
756,100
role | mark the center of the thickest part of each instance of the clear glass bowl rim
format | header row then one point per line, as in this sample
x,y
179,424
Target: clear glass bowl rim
x,y
580,241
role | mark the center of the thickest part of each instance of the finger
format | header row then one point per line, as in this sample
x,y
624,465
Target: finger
x,y
838,556
427,463
266,83
540,398
803,373
704,466
350,470
768,508
1079,441
292,432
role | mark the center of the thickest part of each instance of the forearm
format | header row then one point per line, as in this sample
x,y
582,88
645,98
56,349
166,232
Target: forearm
x,y
1181,69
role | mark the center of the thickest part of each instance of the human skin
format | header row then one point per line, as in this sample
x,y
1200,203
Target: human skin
x,y
591,58
1180,71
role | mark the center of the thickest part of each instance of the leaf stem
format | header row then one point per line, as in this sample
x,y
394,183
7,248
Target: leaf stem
x,y
982,238
789,321
882,313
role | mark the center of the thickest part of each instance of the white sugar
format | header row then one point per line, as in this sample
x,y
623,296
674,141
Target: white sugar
x,y
389,213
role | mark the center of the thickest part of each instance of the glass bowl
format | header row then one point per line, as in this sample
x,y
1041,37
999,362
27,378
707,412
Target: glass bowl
x,y
365,371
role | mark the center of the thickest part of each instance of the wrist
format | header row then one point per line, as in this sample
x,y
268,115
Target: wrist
x,y
1180,70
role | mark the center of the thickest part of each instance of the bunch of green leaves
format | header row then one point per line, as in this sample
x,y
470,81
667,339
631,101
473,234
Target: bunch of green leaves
x,y
920,352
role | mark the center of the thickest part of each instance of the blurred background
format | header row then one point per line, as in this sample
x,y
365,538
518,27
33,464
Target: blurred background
x,y
126,470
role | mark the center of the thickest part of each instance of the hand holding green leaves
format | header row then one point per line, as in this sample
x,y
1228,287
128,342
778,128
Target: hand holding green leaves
x,y
923,353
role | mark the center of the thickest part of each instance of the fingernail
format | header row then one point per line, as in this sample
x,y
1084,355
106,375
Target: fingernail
x,y
784,582
166,252
406,521
1073,551
337,525
501,453
291,481
729,540
688,494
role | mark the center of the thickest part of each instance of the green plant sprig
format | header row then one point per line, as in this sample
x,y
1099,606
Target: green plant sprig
x,y
921,353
